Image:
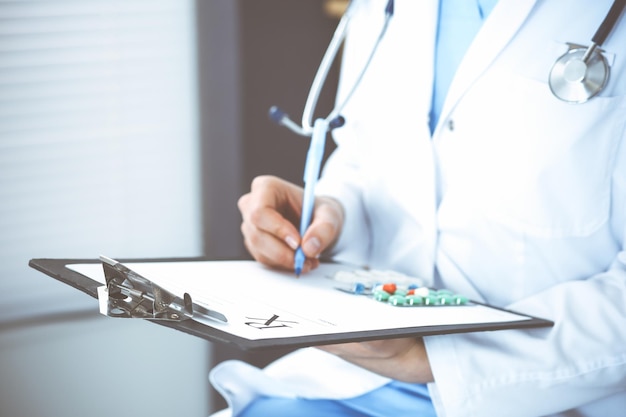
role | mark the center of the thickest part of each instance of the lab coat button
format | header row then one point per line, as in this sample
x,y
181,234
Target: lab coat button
x,y
451,125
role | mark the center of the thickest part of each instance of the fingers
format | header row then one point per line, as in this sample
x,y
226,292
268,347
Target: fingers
x,y
271,216
402,359
325,227
267,212
373,350
266,248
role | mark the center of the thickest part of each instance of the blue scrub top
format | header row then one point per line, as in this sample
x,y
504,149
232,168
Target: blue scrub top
x,y
459,22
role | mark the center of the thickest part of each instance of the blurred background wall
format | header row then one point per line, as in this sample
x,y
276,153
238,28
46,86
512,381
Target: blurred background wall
x,y
129,128
266,54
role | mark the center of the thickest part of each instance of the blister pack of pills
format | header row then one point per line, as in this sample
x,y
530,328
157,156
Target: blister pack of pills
x,y
396,289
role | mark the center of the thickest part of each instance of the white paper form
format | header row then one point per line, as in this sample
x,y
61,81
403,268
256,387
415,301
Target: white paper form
x,y
262,303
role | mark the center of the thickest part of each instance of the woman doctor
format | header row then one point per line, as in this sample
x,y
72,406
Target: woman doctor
x,y
482,181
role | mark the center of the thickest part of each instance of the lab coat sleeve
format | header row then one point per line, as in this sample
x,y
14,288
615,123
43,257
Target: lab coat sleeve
x,y
543,371
342,181
341,177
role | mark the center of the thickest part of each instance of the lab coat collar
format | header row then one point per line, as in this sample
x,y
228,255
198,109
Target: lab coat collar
x,y
494,35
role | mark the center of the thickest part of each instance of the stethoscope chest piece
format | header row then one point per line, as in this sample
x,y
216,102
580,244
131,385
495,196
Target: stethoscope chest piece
x,y
579,74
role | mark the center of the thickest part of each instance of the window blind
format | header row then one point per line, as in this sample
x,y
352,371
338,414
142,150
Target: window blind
x,y
98,140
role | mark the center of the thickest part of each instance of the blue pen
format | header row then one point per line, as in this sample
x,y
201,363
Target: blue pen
x,y
321,126
311,174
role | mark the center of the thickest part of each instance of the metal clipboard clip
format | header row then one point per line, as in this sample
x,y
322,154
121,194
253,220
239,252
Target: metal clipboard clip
x,y
129,295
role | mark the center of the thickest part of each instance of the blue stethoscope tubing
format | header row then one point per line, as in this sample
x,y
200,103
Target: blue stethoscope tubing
x,y
334,118
318,130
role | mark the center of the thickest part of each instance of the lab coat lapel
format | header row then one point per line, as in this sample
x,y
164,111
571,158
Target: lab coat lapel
x,y
495,34
411,82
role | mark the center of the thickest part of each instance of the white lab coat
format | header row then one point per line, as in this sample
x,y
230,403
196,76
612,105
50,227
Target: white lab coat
x,y
518,199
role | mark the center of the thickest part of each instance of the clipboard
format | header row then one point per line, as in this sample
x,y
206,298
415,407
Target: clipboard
x,y
259,308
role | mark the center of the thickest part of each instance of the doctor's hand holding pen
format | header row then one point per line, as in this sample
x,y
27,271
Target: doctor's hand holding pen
x,y
270,214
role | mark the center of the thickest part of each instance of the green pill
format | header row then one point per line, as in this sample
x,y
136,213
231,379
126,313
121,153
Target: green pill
x,y
460,300
430,300
413,300
445,300
396,300
381,295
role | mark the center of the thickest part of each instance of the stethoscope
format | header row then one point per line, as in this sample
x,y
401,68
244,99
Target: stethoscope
x,y
334,118
577,76
320,128
582,72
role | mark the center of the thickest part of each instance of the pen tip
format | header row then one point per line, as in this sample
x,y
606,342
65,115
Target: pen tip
x,y
299,262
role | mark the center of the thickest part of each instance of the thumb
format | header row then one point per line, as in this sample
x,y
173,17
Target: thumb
x,y
325,227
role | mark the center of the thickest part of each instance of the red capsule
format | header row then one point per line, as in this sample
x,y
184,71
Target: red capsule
x,y
390,287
